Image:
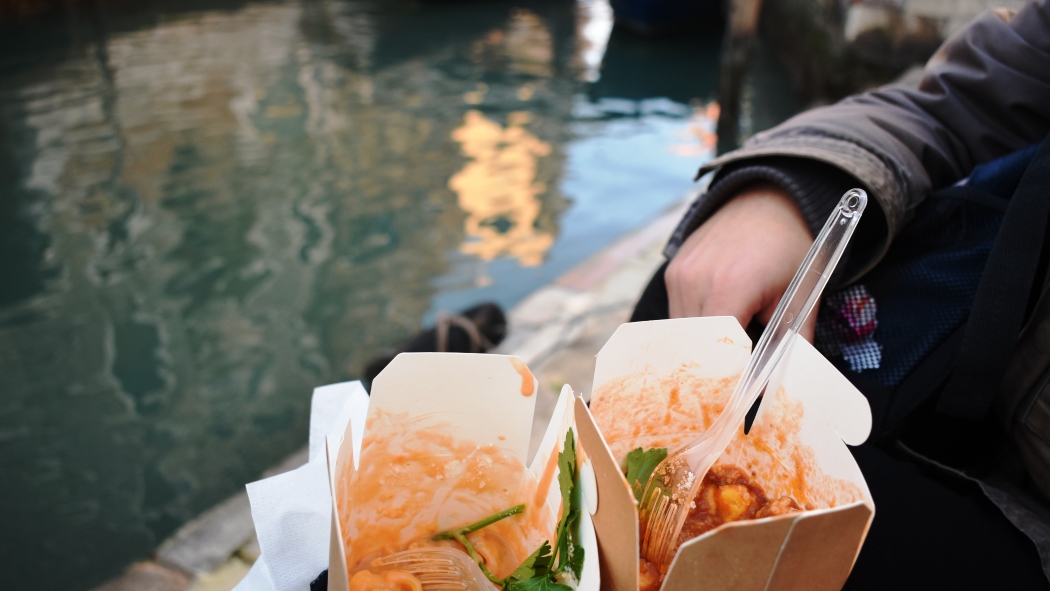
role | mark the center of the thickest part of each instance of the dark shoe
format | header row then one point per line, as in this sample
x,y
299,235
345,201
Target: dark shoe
x,y
474,330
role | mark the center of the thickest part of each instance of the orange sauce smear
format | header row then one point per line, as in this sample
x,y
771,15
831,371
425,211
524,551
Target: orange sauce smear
x,y
391,580
528,382
642,411
414,482
770,468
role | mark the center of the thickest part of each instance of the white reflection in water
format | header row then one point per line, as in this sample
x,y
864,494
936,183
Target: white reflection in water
x,y
594,23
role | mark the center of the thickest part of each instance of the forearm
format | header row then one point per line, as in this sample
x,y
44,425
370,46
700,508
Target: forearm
x,y
814,187
986,93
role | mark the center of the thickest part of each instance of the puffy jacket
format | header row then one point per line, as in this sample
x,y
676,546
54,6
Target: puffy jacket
x,y
984,94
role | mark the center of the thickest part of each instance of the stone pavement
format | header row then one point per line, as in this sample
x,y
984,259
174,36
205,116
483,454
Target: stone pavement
x,y
557,331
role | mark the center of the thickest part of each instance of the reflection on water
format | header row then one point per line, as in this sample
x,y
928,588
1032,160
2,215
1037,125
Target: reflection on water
x,y
527,44
205,212
594,22
498,189
699,138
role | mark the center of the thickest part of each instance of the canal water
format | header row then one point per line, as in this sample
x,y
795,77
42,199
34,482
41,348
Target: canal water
x,y
207,208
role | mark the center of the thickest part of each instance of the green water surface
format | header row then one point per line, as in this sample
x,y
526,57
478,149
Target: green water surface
x,y
208,208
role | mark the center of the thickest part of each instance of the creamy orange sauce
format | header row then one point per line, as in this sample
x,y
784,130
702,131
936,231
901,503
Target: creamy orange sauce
x,y
391,580
528,383
644,411
413,482
546,479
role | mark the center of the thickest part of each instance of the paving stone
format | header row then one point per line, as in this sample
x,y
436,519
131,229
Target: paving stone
x,y
296,460
539,344
573,363
541,307
224,578
546,400
147,576
209,540
610,260
250,552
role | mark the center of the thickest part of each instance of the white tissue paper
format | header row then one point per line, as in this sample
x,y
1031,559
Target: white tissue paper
x,y
293,511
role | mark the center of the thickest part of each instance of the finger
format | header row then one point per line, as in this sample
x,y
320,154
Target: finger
x,y
671,281
685,286
808,328
732,302
693,297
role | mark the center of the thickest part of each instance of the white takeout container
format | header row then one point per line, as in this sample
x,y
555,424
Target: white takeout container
x,y
483,399
812,550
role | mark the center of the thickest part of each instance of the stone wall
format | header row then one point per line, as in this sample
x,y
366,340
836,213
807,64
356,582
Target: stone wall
x,y
833,48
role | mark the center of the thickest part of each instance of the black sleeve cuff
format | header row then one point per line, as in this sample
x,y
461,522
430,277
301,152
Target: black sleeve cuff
x,y
815,186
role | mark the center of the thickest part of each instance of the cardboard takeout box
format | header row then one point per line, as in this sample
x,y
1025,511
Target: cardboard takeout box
x,y
652,381
483,403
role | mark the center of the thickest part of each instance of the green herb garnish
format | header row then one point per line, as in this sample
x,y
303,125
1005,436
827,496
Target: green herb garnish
x,y
640,466
552,566
460,535
541,583
547,568
538,562
473,527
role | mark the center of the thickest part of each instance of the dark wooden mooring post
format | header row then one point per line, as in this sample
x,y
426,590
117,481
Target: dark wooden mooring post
x,y
737,46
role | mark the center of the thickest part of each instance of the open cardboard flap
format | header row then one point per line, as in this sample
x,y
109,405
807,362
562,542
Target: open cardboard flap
x,y
659,384
472,402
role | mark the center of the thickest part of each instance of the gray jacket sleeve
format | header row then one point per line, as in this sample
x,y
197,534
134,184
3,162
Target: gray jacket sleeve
x,y
984,94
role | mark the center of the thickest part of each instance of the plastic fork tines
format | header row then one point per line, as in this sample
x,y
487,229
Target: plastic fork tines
x,y
668,495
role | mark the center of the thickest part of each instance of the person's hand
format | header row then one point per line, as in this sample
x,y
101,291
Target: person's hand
x,y
741,260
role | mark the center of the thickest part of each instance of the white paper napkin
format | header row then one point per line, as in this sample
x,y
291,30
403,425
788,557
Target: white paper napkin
x,y
293,511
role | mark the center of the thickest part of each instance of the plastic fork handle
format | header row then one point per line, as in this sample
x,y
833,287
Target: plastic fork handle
x,y
798,301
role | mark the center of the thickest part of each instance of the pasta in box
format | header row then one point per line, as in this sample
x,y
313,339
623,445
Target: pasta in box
x,y
785,507
444,447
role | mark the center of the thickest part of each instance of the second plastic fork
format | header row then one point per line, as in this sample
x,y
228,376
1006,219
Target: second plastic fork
x,y
669,493
438,569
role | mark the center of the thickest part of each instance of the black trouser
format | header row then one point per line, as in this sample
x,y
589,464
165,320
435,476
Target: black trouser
x,y
929,532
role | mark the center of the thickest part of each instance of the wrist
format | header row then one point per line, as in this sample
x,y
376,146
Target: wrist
x,y
763,201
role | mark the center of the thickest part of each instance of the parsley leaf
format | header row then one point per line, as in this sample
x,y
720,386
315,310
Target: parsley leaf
x,y
567,481
539,561
537,584
640,466
567,551
576,561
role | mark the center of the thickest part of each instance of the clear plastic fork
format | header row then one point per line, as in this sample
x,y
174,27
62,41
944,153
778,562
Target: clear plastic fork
x,y
438,569
669,493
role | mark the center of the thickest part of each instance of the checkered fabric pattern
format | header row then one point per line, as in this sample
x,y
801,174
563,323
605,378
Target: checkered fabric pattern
x,y
846,326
